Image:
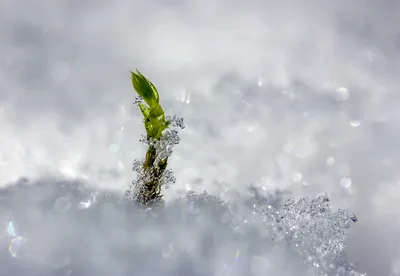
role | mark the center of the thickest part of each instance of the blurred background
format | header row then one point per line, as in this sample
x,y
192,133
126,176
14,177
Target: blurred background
x,y
299,97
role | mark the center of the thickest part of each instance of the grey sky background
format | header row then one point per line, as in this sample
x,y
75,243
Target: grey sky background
x,y
296,95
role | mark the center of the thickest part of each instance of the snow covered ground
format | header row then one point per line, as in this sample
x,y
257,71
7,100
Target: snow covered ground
x,y
288,96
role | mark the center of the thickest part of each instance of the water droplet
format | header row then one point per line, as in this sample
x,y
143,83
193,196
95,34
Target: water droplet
x,y
67,169
355,123
184,97
260,81
84,204
342,94
62,205
296,177
250,128
188,187
330,161
345,182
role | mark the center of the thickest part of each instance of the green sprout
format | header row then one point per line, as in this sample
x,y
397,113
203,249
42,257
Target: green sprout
x,y
153,170
154,117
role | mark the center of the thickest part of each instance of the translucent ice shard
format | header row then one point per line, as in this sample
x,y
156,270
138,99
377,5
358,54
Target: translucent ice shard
x,y
16,242
15,245
11,231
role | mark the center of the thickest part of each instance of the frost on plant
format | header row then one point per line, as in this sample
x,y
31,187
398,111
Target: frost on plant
x,y
161,136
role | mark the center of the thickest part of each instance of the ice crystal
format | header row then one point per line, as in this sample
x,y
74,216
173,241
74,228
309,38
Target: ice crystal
x,y
163,150
312,229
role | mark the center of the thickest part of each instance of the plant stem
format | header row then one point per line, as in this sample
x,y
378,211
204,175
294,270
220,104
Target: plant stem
x,y
150,179
152,187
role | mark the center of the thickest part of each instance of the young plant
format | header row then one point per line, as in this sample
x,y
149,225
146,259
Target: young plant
x,y
153,173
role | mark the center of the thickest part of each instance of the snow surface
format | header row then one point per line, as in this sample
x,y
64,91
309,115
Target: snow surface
x,y
65,228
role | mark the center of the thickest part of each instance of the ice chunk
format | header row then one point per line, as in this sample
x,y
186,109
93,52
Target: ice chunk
x,y
312,229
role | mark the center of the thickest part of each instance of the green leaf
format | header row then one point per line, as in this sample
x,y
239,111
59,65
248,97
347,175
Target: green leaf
x,y
154,117
156,95
145,110
160,131
156,111
145,88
